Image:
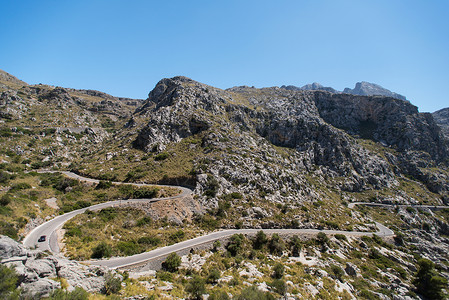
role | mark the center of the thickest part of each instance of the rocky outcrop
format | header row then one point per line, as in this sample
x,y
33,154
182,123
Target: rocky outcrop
x,y
441,117
38,270
319,127
370,89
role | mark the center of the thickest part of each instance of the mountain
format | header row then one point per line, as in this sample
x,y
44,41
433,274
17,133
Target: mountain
x,y
442,119
361,89
255,158
309,87
369,89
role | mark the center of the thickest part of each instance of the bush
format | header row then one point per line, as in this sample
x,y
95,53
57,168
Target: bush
x,y
276,244
296,245
112,284
5,199
213,276
260,240
253,293
196,287
279,286
4,177
164,276
8,281
235,244
76,294
103,185
177,236
338,272
161,156
172,262
340,237
101,250
129,247
144,221
20,186
278,271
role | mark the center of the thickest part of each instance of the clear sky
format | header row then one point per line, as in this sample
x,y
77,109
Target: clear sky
x,y
125,47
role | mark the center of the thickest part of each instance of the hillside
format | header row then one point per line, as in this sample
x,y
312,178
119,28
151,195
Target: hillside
x,y
255,158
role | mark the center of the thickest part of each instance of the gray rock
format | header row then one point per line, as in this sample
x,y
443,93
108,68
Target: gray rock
x,y
40,288
10,248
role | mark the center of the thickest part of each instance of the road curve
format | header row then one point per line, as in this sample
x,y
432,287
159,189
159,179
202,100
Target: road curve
x,y
120,262
431,207
50,228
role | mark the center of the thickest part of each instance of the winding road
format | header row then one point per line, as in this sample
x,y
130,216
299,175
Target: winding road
x,y
50,228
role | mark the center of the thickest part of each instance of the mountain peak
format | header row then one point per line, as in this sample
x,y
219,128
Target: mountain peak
x,y
365,88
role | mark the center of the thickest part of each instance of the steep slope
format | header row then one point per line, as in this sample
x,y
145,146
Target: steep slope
x,y
442,119
315,128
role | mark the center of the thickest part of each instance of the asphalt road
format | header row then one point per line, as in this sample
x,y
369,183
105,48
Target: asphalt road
x,y
50,228
119,262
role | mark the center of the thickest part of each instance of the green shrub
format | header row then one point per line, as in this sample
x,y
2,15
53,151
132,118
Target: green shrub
x,y
20,186
260,240
172,262
253,293
101,250
144,221
161,156
279,286
340,237
5,199
177,236
4,177
213,276
338,272
235,244
164,276
276,244
129,247
278,270
76,294
112,284
103,185
196,287
8,281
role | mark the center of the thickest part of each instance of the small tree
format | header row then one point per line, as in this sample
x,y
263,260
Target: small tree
x,y
296,245
172,262
196,287
427,282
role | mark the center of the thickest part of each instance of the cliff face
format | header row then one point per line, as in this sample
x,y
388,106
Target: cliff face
x,y
441,117
321,130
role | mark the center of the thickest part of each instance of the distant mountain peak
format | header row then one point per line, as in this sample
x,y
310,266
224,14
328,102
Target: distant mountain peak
x,y
365,88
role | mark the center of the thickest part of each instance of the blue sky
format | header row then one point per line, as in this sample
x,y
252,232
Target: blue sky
x,y
125,47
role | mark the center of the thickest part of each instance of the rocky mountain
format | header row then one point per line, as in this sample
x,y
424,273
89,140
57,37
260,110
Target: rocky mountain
x,y
310,87
256,158
370,89
361,89
441,117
